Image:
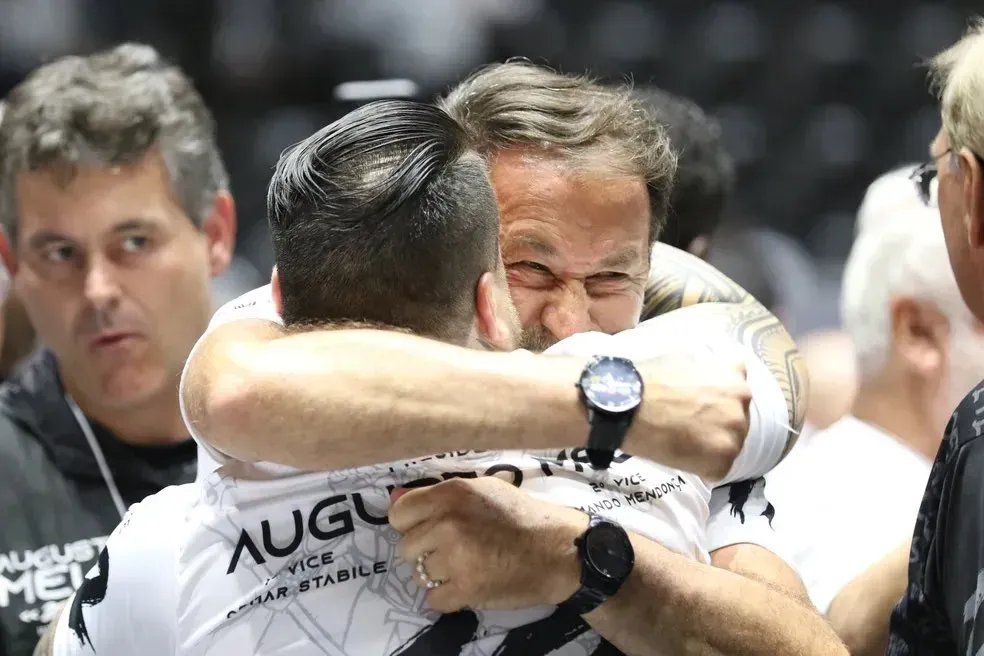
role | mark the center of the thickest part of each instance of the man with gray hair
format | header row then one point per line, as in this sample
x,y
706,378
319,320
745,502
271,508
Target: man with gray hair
x,y
918,350
940,611
116,214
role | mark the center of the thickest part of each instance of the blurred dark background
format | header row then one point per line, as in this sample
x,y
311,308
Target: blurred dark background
x,y
816,98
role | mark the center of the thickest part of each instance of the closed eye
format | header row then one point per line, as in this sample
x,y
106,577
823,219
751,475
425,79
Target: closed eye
x,y
534,266
610,276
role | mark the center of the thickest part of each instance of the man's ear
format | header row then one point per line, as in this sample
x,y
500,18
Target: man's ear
x,y
973,196
920,336
492,320
220,231
278,303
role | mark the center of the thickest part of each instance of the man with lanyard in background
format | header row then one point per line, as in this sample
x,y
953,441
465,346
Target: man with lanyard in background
x,y
115,204
391,210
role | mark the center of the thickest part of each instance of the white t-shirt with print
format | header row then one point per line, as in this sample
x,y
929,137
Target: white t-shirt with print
x,y
286,562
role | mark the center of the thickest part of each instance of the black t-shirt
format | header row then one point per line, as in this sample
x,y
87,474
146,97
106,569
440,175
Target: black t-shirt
x,y
942,610
55,508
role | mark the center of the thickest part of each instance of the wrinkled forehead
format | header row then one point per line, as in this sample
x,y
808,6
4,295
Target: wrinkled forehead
x,y
581,193
570,216
93,200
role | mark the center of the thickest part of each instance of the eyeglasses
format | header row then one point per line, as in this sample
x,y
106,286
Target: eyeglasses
x,y
926,177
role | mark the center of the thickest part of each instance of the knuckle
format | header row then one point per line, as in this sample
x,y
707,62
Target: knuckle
x,y
453,485
724,449
728,447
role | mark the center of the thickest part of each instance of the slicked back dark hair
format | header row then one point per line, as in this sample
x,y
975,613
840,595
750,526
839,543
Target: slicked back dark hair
x,y
705,173
385,216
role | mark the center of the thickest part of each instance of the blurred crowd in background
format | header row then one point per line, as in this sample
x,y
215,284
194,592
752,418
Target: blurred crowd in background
x,y
815,98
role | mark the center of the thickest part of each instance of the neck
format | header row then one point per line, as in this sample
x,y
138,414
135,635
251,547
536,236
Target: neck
x,y
897,409
154,422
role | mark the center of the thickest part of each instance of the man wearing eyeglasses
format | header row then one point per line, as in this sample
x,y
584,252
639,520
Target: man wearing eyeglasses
x,y
918,349
941,608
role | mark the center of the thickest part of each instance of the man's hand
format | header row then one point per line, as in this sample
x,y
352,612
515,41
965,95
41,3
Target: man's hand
x,y
492,545
699,423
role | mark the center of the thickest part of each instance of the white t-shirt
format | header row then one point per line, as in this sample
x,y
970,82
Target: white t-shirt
x,y
287,562
849,495
768,429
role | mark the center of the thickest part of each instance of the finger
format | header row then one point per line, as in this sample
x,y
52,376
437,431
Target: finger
x,y
397,493
435,570
446,599
412,507
419,540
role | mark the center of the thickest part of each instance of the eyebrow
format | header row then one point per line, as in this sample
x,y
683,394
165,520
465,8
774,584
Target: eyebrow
x,y
538,246
618,260
621,259
47,237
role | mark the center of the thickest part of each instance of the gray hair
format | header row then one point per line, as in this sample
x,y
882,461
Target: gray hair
x,y
521,104
958,77
111,108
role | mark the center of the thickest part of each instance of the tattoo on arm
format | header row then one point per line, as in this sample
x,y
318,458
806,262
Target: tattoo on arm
x,y
678,279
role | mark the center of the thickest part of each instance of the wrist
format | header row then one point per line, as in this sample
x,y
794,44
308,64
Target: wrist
x,y
559,574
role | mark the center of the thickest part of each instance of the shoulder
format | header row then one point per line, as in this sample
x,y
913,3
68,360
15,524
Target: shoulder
x,y
153,529
164,515
23,454
967,422
255,304
139,556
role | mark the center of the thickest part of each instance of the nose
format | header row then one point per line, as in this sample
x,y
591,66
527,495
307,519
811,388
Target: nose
x,y
101,286
567,312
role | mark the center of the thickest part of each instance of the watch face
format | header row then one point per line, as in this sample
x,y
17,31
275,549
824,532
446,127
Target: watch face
x,y
609,551
612,384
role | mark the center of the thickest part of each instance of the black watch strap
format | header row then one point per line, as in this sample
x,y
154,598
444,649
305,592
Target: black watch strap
x,y
584,601
595,588
607,433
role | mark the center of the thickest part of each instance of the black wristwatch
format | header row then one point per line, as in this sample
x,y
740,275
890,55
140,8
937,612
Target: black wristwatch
x,y
607,559
611,390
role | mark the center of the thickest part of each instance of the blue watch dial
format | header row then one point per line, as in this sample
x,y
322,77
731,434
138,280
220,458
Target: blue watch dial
x,y
611,384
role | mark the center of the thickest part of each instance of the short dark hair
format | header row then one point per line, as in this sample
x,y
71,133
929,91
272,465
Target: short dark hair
x,y
111,108
705,174
385,216
519,103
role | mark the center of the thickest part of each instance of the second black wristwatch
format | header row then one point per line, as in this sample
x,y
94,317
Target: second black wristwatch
x,y
607,559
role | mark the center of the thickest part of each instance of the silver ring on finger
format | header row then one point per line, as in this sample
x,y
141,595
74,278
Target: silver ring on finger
x,y
428,582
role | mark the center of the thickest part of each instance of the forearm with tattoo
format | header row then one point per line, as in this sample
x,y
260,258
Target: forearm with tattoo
x,y
678,279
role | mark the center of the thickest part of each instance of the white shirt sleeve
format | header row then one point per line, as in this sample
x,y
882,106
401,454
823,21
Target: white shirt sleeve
x,y
256,305
740,513
768,428
126,604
